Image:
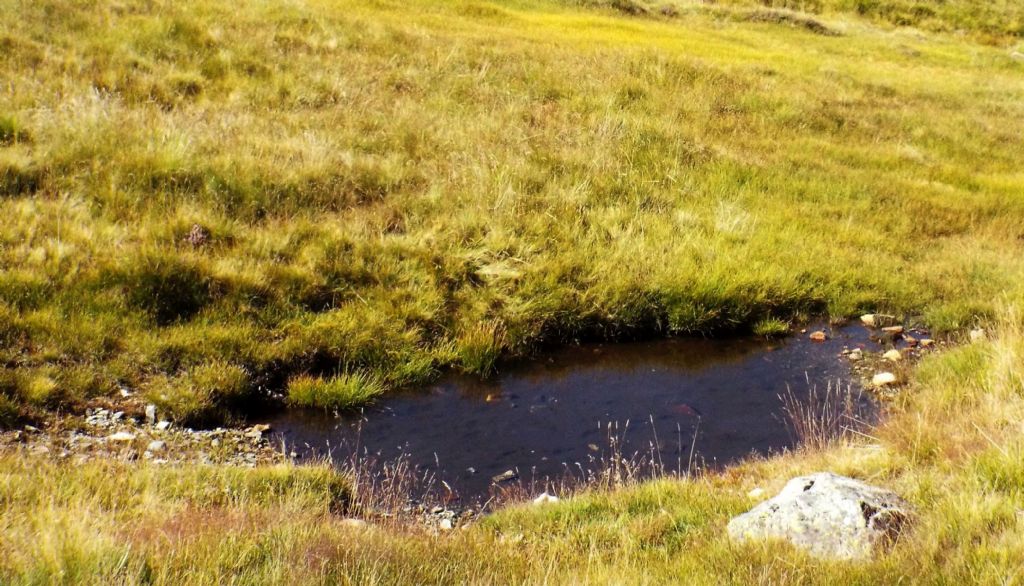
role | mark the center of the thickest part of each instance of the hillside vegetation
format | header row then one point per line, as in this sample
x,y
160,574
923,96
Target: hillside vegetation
x,y
203,201
997,22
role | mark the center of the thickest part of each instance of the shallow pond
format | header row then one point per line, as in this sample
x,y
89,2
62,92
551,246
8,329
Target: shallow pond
x,y
678,402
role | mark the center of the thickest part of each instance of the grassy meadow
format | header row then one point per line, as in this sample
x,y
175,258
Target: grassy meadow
x,y
210,205
206,202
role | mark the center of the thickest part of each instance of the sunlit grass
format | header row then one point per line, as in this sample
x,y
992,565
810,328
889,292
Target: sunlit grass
x,y
336,393
400,188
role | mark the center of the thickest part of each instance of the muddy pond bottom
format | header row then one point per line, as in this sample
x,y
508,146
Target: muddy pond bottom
x,y
679,403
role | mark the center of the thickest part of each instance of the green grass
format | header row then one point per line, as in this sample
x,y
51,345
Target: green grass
x,y
342,392
770,327
397,189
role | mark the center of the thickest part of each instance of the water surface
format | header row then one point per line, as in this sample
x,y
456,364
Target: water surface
x,y
675,400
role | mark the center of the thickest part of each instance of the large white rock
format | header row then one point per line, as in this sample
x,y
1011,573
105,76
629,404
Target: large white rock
x,y
827,515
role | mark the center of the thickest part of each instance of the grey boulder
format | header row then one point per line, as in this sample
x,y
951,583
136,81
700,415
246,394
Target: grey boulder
x,y
827,515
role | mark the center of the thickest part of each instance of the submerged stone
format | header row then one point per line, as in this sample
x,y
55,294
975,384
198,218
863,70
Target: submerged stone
x,y
827,515
506,476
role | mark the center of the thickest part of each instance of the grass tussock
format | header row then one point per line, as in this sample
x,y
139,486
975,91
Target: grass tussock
x,y
205,184
339,393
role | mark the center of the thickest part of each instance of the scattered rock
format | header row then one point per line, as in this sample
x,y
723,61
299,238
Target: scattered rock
x,y
910,340
818,336
868,319
978,335
893,355
162,425
856,355
927,342
883,379
827,515
156,446
894,330
121,436
445,524
545,498
151,414
505,476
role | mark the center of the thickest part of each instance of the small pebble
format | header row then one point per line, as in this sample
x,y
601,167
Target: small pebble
x,y
883,379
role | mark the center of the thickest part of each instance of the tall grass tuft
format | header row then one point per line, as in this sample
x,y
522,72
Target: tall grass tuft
x,y
202,394
825,417
480,347
338,393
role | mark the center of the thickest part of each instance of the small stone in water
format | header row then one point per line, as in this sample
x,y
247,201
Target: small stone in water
x,y
818,336
893,355
893,330
505,477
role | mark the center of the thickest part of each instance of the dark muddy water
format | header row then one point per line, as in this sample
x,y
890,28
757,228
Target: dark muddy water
x,y
712,401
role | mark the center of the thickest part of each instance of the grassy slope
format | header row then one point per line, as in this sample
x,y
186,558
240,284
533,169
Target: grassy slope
x,y
378,181
389,188
952,445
